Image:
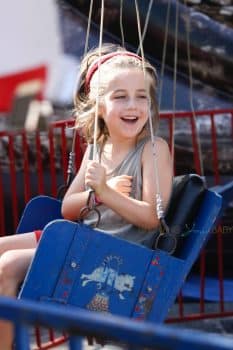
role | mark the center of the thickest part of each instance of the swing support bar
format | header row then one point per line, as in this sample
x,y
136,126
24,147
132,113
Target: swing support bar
x,y
80,323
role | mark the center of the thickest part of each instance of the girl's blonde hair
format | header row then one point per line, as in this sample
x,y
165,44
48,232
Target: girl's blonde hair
x,y
85,93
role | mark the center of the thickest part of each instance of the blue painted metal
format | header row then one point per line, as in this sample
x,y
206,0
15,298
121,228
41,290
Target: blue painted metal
x,y
172,278
22,337
163,280
119,329
88,269
75,343
226,192
38,212
75,265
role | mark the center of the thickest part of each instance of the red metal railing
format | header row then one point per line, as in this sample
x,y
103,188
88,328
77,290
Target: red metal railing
x,y
212,117
36,164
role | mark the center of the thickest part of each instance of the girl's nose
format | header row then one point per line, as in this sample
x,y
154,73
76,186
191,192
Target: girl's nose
x,y
131,103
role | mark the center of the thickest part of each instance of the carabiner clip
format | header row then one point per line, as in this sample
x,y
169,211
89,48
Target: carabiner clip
x,y
90,207
165,240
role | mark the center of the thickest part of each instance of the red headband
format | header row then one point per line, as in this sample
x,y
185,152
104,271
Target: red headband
x,y
95,65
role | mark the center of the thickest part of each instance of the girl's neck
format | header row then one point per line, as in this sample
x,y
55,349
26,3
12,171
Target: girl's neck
x,y
116,147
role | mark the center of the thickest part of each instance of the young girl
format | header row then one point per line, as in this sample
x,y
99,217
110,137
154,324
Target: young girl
x,y
122,177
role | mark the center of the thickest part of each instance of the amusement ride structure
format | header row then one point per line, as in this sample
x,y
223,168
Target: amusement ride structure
x,y
102,273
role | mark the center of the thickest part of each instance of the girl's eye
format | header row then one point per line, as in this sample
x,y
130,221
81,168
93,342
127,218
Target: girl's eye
x,y
119,96
142,96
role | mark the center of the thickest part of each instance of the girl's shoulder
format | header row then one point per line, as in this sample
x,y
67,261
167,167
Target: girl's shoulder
x,y
161,148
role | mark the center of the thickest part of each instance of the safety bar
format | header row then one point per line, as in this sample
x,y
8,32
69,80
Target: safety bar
x,y
81,323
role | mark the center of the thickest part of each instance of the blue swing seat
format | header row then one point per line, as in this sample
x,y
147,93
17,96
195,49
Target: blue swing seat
x,y
38,212
76,265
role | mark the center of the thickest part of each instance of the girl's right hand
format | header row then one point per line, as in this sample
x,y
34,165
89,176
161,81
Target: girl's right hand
x,y
121,183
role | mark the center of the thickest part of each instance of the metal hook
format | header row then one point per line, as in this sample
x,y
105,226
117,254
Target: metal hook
x,y
165,240
91,207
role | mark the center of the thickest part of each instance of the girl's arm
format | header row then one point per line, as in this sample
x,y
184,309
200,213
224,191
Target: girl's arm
x,y
76,196
140,213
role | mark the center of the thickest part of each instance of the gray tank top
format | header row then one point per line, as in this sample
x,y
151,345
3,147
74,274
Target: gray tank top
x,y
110,221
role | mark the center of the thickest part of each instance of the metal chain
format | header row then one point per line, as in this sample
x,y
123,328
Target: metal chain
x,y
164,53
200,155
121,24
146,23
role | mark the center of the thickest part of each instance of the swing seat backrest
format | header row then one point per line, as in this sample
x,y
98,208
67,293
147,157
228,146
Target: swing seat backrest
x,y
187,195
38,213
92,270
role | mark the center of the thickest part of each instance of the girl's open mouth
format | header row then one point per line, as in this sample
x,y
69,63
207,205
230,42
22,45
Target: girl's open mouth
x,y
130,120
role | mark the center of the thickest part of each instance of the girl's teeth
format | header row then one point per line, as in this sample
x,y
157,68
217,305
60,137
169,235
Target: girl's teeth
x,y
130,119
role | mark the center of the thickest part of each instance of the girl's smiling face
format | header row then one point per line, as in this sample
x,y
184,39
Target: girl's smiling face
x,y
125,104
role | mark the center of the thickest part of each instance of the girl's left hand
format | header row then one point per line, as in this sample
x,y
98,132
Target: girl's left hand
x,y
95,177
